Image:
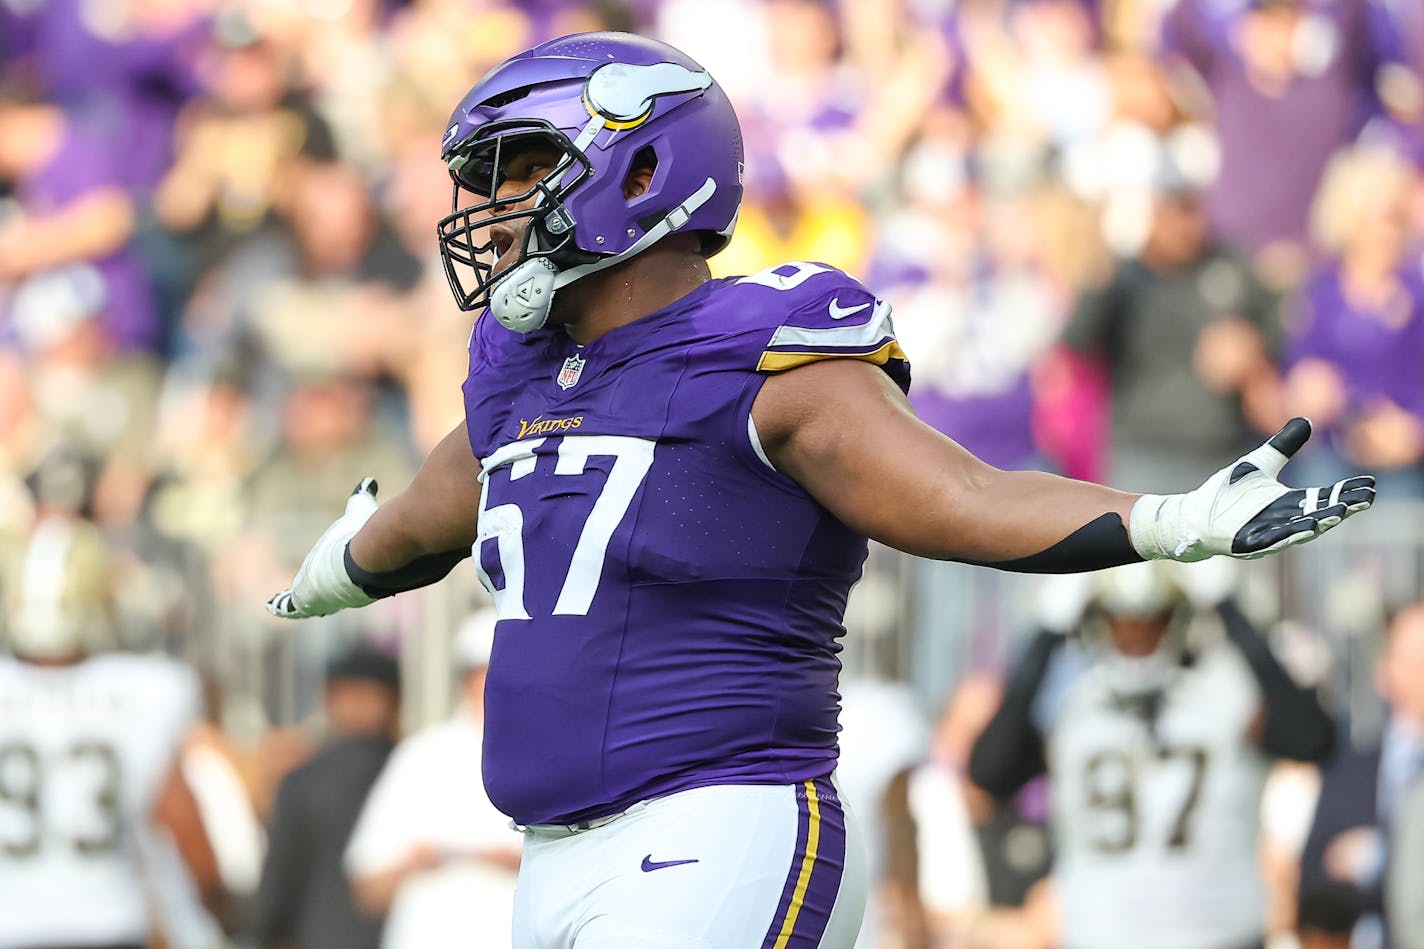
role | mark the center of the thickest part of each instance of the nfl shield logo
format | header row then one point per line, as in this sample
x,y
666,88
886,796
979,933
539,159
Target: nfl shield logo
x,y
569,375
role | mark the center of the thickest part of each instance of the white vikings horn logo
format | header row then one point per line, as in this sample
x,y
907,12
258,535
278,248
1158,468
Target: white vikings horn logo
x,y
623,94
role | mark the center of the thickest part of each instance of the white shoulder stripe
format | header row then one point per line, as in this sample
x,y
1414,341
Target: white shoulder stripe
x,y
871,333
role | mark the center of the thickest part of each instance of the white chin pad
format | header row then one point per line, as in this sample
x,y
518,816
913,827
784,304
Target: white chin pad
x,y
522,298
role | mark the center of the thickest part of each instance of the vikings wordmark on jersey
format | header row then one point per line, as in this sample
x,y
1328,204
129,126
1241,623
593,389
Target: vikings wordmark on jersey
x,y
668,619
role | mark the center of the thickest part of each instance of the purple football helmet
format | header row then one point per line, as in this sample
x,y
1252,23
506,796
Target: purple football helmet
x,y
609,103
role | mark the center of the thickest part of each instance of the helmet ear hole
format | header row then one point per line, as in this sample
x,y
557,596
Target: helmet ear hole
x,y
640,172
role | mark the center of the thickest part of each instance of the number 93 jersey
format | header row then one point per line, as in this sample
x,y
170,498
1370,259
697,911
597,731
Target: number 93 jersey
x,y
84,749
669,605
1156,826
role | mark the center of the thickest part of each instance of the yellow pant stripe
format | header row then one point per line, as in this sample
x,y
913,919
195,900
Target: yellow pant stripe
x,y
803,879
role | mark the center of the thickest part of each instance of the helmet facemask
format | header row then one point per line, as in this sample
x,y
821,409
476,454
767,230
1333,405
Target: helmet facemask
x,y
521,293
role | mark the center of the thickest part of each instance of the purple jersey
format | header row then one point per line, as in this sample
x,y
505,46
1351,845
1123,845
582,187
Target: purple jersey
x,y
1377,353
669,605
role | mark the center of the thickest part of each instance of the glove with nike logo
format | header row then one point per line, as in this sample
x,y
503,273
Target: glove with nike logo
x,y
322,585
1242,511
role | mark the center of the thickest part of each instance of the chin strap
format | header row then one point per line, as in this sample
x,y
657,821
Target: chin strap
x,y
672,221
522,298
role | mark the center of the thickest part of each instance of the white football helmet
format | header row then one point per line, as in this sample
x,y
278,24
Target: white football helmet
x,y
58,591
1145,594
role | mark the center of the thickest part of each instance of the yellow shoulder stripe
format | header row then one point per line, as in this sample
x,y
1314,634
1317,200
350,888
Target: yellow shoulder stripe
x,y
779,362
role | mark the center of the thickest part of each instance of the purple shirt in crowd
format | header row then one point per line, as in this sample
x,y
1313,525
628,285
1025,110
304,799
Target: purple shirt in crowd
x,y
1275,148
670,606
17,35
1378,354
125,93
982,396
997,427
79,168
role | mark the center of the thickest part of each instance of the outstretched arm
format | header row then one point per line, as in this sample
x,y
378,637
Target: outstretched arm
x,y
436,514
412,541
846,434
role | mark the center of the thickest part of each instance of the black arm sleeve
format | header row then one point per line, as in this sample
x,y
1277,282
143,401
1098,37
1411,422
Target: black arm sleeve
x,y
1101,543
1009,752
1296,726
420,572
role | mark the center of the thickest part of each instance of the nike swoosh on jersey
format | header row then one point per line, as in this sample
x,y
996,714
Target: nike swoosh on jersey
x,y
649,866
839,312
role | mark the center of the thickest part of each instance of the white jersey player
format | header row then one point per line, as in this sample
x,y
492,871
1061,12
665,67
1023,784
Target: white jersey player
x,y
1157,754
430,852
88,749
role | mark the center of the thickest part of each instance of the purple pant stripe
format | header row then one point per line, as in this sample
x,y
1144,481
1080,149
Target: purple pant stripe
x,y
813,911
826,875
803,827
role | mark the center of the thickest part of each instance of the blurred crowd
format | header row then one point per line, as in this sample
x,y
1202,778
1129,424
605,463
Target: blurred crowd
x,y
1122,239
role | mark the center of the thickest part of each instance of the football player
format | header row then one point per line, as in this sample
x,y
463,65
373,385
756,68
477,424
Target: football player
x,y
92,804
1156,736
667,482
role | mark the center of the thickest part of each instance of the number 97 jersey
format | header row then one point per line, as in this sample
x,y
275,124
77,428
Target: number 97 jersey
x,y
668,603
1156,824
83,751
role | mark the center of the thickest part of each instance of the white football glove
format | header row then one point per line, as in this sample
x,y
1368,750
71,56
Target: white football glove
x,y
322,584
1242,511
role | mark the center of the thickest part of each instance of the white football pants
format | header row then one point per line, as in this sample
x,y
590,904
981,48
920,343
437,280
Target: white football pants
x,y
721,867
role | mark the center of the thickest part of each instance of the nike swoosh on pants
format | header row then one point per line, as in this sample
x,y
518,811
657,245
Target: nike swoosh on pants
x,y
649,865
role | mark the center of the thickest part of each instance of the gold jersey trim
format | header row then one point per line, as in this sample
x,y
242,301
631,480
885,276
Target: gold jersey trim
x,y
779,362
